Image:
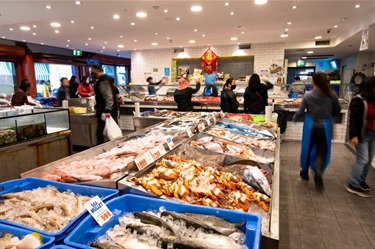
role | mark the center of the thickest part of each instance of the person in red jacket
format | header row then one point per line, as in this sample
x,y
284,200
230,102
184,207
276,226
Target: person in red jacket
x,y
85,89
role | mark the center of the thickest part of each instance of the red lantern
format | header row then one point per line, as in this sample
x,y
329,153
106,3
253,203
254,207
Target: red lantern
x,y
210,61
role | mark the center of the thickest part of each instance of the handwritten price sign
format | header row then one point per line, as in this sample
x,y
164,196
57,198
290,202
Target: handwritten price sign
x,y
201,127
143,160
98,210
158,151
188,131
170,143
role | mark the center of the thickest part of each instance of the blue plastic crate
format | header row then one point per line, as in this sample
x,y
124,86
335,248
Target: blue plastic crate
x,y
88,230
62,247
33,183
20,232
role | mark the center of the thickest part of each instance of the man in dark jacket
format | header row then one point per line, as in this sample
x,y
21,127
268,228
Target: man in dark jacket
x,y
106,101
256,95
64,92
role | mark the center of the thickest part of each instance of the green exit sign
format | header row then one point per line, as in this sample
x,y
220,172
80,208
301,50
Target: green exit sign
x,y
77,52
301,63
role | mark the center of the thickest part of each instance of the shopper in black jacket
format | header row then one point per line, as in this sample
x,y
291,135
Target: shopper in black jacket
x,y
256,95
64,91
106,101
183,95
362,135
228,98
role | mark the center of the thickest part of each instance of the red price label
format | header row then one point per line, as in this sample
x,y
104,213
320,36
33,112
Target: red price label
x,y
158,151
106,216
201,127
143,160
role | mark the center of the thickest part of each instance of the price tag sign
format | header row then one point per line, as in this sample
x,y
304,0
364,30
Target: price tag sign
x,y
143,160
98,210
188,131
201,127
170,143
208,121
158,151
213,117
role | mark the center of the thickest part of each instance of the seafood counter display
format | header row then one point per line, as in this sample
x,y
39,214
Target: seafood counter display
x,y
170,98
30,241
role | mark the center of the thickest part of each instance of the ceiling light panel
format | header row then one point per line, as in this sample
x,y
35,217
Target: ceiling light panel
x,y
141,14
55,24
260,2
196,8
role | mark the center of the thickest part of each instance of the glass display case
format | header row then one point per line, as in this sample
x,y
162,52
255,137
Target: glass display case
x,y
17,127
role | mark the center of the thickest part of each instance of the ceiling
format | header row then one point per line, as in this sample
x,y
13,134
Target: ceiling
x,y
95,30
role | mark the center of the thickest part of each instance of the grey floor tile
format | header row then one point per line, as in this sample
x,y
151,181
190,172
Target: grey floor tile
x,y
370,232
289,227
336,245
305,229
356,238
341,206
290,241
366,218
330,235
361,210
355,200
331,223
307,221
309,242
360,247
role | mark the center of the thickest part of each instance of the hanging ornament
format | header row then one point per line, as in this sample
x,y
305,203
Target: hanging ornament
x,y
210,61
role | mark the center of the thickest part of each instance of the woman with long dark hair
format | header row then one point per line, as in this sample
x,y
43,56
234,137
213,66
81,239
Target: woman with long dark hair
x,y
228,99
321,104
73,87
362,135
256,95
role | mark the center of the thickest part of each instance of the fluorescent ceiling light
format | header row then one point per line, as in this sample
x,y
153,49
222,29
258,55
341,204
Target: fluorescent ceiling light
x,y
294,7
195,30
234,39
48,7
55,24
132,23
25,28
11,29
56,31
259,2
226,4
242,32
86,44
289,23
165,11
115,16
92,27
103,47
89,39
178,19
203,35
191,41
357,6
336,26
310,52
68,40
286,29
34,26
105,42
141,14
196,8
135,40
71,21
284,35
34,33
318,37
120,46
231,13
78,2
303,57
154,44
42,43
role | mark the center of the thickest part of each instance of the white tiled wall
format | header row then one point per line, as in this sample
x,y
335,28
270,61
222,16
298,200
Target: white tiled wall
x,y
144,61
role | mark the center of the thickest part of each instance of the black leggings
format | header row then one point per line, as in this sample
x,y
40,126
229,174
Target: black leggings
x,y
318,136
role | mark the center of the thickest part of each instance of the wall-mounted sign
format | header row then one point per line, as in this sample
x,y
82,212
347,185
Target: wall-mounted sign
x,y
77,52
364,41
301,63
167,71
155,70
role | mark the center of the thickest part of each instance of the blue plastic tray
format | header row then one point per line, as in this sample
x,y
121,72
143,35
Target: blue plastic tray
x,y
88,230
33,183
62,247
20,232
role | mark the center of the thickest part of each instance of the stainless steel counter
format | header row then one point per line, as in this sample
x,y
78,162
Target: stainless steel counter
x,y
84,127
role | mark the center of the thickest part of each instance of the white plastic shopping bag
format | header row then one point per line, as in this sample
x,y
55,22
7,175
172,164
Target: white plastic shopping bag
x,y
111,129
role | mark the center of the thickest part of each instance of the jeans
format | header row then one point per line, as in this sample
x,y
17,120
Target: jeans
x,y
365,151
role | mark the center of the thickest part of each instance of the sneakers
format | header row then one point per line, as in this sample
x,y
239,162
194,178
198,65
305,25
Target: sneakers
x,y
304,175
365,187
357,191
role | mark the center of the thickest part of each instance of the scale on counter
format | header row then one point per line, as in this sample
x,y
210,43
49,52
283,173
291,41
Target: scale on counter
x,y
170,91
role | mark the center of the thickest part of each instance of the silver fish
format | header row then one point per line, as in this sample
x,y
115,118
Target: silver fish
x,y
212,241
153,220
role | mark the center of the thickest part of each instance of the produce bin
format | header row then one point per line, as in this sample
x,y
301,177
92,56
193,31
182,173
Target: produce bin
x,y
88,230
33,183
20,232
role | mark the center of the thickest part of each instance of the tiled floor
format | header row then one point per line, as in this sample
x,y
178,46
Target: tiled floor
x,y
333,218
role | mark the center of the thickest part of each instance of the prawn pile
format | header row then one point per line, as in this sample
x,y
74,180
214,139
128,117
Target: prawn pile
x,y
45,209
191,182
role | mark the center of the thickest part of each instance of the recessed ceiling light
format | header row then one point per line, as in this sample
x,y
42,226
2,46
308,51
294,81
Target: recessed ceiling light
x,y
156,33
191,41
105,42
196,8
115,16
23,40
310,52
42,43
203,35
25,28
120,46
303,57
195,30
91,27
294,7
226,4
78,2
48,7
86,44
168,38
56,31
357,6
34,33
121,36
68,40
101,51
154,44
234,39
103,47
55,24
318,37
259,2
132,23
165,11
11,29
336,26
242,32
89,39
178,19
3,37
67,45
135,40
141,14
343,19
72,21
289,23
284,35
231,13
118,50
34,26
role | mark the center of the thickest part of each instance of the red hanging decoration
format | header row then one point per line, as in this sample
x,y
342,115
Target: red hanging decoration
x,y
210,61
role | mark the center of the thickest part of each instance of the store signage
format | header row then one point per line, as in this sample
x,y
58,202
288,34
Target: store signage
x,y
158,151
98,210
188,131
364,40
143,159
77,52
167,71
201,127
301,63
170,143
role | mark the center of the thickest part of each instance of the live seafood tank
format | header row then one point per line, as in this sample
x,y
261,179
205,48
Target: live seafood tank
x,y
17,125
